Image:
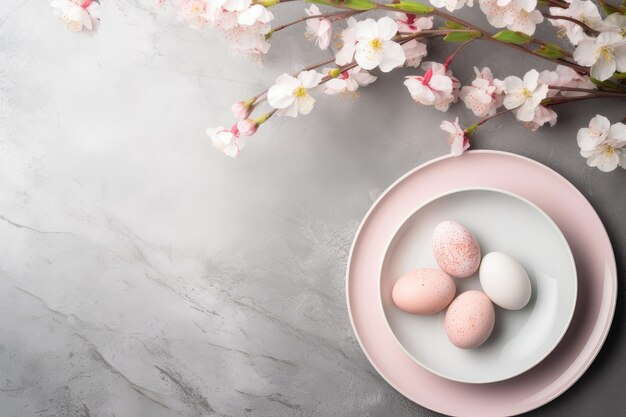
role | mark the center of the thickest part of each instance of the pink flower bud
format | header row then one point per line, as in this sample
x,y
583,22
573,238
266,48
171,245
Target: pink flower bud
x,y
240,110
247,127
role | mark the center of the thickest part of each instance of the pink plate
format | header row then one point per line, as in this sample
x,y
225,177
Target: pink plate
x,y
597,283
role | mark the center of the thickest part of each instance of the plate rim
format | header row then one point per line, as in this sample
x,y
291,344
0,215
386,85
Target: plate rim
x,y
604,331
523,200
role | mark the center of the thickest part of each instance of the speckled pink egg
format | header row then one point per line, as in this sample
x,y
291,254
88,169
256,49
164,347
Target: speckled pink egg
x,y
470,319
455,249
423,291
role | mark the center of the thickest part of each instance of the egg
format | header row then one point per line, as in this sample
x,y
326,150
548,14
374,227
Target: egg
x,y
423,291
455,249
505,281
469,320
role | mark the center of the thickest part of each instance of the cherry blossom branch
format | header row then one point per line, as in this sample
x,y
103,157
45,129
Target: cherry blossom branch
x,y
332,16
484,34
313,66
602,93
555,3
429,33
332,74
583,25
455,53
549,102
484,120
260,98
562,100
489,37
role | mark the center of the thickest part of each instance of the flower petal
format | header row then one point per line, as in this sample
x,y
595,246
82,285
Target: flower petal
x,y
617,135
305,104
366,30
387,28
367,57
531,80
526,112
512,83
603,68
310,79
280,97
606,161
600,124
514,100
392,56
586,52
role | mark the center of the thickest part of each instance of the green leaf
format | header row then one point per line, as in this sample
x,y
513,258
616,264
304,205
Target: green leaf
x,y
620,75
606,84
510,36
449,24
350,4
550,50
462,36
548,53
412,7
608,9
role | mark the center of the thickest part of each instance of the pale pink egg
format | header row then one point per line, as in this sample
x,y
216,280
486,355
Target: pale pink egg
x,y
455,249
470,319
423,291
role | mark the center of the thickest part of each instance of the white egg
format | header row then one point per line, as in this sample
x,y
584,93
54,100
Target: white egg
x,y
505,281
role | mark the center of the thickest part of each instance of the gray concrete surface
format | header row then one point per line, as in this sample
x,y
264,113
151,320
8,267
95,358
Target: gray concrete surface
x,y
143,274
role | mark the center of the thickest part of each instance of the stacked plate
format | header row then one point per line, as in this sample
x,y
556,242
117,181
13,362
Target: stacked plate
x,y
513,205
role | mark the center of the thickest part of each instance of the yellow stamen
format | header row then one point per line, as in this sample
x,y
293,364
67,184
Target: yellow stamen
x,y
606,52
299,92
376,44
527,93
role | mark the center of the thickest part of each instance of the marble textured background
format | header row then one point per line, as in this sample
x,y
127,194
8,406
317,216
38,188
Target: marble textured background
x,y
143,274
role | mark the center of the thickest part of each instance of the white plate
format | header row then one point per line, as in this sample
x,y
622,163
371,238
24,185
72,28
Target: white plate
x,y
501,221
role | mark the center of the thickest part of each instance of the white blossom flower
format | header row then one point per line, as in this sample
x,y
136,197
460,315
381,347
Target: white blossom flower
x,y
451,5
524,17
603,145
604,54
483,96
348,81
374,46
77,15
225,20
566,77
291,95
524,95
197,13
348,41
542,116
584,11
457,138
414,51
411,23
318,29
246,39
615,22
212,10
518,15
437,87
236,5
256,13
226,141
